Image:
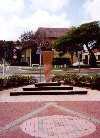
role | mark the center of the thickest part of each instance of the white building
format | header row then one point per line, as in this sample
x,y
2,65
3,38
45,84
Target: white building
x,y
85,56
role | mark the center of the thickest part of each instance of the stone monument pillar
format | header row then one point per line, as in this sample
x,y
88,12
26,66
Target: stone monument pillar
x,y
47,61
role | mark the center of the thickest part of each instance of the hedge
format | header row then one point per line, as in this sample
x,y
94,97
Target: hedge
x,y
16,81
92,81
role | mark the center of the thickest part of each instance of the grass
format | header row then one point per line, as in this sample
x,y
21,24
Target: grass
x,y
53,68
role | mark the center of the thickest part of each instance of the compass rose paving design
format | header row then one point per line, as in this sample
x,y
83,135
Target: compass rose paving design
x,y
51,120
58,126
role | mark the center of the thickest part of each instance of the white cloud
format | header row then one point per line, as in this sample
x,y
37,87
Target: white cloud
x,y
13,19
50,5
11,6
91,9
12,29
44,19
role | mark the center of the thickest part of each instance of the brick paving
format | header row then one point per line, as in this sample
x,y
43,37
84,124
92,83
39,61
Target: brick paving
x,y
57,126
11,111
93,95
88,108
59,116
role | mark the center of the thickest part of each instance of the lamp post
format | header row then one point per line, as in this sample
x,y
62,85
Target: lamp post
x,y
39,51
30,57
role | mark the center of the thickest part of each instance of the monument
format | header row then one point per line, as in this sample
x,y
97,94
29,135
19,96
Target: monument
x,y
47,61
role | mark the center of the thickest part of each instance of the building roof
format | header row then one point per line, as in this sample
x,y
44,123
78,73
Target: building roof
x,y
53,32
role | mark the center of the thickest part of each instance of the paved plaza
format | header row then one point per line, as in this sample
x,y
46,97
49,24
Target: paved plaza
x,y
50,116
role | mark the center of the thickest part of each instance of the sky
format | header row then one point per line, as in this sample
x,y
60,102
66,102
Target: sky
x,y
19,16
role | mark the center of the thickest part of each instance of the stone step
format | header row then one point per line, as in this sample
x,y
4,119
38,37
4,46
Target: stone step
x,y
48,93
41,84
48,88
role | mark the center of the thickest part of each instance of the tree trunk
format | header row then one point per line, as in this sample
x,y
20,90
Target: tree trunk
x,y
72,54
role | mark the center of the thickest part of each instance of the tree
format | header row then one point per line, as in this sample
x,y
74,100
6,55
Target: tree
x,y
86,34
28,40
89,34
6,51
67,43
1,50
92,60
8,48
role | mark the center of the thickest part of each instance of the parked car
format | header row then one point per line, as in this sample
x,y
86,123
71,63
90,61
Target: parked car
x,y
77,64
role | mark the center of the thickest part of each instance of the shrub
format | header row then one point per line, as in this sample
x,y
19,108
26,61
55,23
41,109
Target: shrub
x,y
16,80
96,81
58,78
79,80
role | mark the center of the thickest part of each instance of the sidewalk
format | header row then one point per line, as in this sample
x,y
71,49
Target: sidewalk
x,y
52,116
93,95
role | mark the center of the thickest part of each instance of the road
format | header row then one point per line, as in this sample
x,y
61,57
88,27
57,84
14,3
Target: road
x,y
15,70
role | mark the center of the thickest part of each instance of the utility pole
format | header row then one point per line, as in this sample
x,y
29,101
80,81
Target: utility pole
x,y
30,57
39,51
79,53
40,66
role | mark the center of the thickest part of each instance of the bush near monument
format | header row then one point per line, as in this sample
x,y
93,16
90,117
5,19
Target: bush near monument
x,y
15,81
79,80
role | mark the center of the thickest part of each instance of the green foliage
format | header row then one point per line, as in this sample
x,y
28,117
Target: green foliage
x,y
67,42
1,49
28,40
6,50
8,47
92,60
88,34
16,80
79,80
96,81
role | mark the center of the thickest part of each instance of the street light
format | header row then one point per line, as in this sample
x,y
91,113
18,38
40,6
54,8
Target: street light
x,y
39,51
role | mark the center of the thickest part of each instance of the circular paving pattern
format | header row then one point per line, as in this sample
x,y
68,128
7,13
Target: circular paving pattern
x,y
58,126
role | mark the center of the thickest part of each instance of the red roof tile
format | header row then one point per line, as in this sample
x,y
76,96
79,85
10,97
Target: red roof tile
x,y
53,32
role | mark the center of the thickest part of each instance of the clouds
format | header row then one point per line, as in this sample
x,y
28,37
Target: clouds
x,y
49,5
45,19
91,10
17,16
11,6
10,22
